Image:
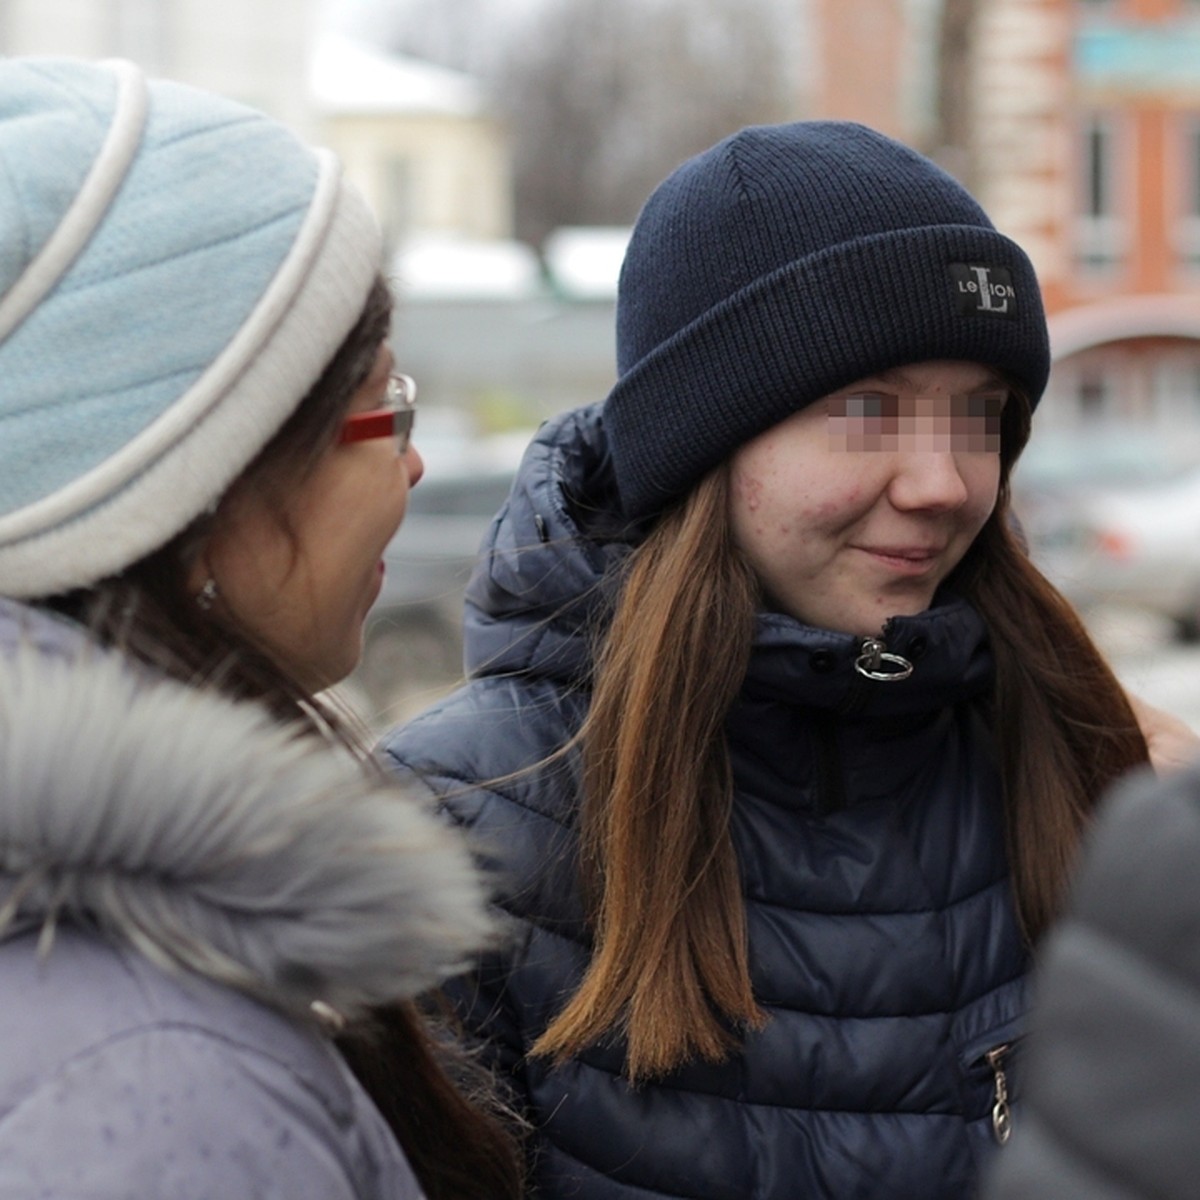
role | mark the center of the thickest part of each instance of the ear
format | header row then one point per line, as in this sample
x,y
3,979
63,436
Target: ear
x,y
199,548
198,574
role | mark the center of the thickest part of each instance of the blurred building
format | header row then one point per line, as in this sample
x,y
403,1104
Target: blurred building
x,y
419,140
1083,143
1087,128
496,337
872,61
1142,119
255,51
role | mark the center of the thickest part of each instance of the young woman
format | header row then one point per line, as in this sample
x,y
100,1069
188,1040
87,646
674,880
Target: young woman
x,y
212,903
781,743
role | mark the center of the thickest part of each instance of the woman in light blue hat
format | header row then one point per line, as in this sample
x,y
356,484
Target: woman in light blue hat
x,y
211,903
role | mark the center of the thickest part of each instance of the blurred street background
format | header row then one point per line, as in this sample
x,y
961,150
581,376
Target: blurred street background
x,y
507,146
1150,661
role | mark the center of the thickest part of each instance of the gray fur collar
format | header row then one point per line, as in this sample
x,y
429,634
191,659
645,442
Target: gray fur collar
x,y
210,839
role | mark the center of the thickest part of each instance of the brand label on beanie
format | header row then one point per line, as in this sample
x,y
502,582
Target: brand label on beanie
x,y
984,289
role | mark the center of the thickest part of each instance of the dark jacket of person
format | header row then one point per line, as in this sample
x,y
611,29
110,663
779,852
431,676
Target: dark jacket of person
x,y
1113,1100
868,829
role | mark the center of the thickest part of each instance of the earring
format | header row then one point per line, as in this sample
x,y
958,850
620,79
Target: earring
x,y
207,594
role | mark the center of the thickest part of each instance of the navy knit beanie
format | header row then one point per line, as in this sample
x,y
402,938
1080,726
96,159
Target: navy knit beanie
x,y
784,263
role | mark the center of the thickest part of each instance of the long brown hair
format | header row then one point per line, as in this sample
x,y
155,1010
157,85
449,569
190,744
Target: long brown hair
x,y
669,968
455,1133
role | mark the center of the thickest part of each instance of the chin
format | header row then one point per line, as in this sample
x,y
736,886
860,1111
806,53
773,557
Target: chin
x,y
318,677
872,622
342,671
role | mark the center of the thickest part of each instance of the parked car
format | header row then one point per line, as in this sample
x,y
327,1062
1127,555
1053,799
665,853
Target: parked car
x,y
1113,517
413,645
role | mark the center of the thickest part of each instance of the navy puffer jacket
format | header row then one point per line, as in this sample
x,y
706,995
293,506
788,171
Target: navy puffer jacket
x,y
868,828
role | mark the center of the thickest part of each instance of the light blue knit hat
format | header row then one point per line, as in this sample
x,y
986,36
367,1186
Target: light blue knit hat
x,y
176,271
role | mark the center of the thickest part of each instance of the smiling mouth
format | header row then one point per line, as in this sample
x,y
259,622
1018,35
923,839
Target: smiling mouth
x,y
904,558
888,552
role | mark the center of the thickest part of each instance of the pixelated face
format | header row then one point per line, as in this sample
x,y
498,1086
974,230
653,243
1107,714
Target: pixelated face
x,y
858,507
898,420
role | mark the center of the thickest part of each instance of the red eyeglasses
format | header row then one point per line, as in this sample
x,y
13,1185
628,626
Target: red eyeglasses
x,y
395,420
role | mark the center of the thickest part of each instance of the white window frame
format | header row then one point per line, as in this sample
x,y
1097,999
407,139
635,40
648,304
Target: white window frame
x,y
1101,233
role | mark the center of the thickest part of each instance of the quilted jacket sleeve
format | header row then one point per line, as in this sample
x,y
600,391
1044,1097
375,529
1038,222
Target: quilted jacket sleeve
x,y
479,756
484,1008
1113,1095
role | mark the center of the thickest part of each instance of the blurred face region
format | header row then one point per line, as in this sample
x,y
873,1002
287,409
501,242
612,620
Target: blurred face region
x,y
301,580
857,508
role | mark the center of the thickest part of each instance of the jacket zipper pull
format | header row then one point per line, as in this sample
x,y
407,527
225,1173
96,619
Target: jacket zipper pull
x,y
1001,1112
874,662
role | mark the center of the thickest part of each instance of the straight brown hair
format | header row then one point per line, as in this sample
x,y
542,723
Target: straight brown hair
x,y
669,970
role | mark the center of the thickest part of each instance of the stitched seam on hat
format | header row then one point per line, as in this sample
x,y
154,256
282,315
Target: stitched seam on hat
x,y
77,226
69,401
182,256
737,170
80,96
171,427
185,135
13,183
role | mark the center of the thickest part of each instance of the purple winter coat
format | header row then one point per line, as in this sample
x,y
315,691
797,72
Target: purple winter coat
x,y
181,880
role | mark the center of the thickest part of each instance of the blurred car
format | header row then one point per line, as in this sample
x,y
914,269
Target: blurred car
x,y
413,643
1112,516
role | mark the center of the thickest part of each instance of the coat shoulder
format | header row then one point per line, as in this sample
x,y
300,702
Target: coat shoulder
x,y
1118,1012
121,1075
498,739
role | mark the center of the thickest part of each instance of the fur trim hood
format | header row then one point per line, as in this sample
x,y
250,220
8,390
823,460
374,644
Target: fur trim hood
x,y
210,838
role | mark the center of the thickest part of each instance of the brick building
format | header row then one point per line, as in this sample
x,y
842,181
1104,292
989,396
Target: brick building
x,y
1084,145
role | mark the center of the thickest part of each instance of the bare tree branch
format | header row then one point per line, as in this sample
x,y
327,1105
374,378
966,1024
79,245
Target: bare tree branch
x,y
605,97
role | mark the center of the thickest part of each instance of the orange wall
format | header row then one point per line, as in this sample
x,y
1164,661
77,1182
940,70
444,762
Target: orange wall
x,y
1152,255
1153,10
859,46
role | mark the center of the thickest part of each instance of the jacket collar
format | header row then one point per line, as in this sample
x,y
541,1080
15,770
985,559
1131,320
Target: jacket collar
x,y
946,646
540,581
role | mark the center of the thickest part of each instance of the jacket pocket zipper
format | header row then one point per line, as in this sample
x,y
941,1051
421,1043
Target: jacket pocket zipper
x,y
1001,1111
